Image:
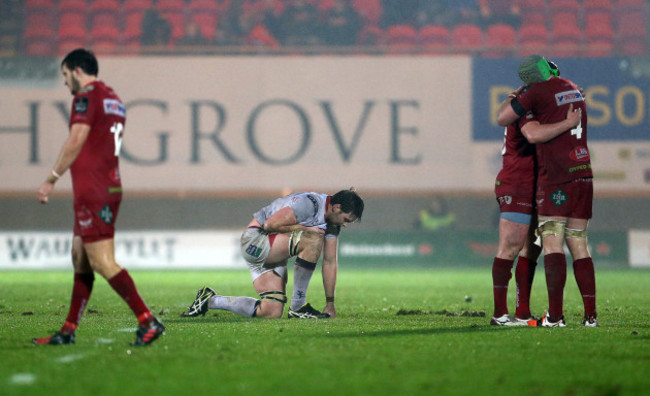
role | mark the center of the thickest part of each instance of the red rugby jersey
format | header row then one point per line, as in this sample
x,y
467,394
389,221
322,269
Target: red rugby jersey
x,y
95,172
517,175
566,157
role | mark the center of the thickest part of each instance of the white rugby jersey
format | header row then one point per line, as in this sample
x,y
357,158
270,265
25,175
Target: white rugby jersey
x,y
308,207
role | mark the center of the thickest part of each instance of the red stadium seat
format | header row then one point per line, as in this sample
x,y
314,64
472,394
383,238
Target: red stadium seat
x,y
72,32
104,39
434,39
533,39
467,37
401,39
597,5
206,14
564,18
565,41
557,6
533,18
174,12
370,35
39,6
532,6
133,27
68,45
369,10
72,6
72,20
40,48
499,41
131,6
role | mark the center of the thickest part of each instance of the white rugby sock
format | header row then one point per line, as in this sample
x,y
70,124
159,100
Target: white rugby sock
x,y
301,277
244,306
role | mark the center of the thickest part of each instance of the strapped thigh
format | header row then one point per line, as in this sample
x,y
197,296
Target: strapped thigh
x,y
294,239
274,296
575,233
551,228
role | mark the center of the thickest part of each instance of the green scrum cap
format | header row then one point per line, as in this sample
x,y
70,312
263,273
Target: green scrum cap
x,y
534,69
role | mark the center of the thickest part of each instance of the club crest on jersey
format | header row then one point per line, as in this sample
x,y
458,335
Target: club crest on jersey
x,y
580,154
559,197
568,97
114,106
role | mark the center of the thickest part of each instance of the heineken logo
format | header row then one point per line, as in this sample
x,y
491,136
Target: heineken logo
x,y
559,197
106,214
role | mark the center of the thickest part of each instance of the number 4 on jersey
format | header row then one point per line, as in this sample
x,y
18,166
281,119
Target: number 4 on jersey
x,y
116,130
577,131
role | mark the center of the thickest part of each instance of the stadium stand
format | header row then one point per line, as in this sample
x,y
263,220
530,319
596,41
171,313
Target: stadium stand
x,y
567,27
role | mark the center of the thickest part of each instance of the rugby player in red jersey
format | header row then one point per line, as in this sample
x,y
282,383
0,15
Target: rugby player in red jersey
x,y
515,194
91,152
564,193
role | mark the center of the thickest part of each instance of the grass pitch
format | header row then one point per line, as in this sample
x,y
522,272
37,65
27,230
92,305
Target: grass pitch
x,y
399,332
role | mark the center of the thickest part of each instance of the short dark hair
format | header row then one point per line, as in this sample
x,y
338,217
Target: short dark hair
x,y
83,58
350,202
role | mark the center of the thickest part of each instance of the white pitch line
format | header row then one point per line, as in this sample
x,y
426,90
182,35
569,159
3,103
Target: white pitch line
x,y
22,379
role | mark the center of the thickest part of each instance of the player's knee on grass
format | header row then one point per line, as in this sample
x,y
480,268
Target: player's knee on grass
x,y
272,305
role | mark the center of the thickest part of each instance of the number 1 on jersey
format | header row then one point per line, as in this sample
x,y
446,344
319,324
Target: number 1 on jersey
x,y
116,130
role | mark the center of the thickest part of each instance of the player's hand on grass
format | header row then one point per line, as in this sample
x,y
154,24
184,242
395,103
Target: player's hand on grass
x,y
330,309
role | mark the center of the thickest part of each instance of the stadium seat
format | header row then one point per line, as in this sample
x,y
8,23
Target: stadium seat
x,y
174,12
132,27
105,6
434,39
369,10
631,34
467,37
71,21
565,41
39,6
68,45
104,39
131,6
533,18
532,39
597,5
564,18
206,14
401,39
532,6
499,41
40,47
104,13
559,6
598,34
66,6
370,35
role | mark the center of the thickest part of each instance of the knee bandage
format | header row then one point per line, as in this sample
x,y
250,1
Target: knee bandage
x,y
550,228
293,242
575,233
274,296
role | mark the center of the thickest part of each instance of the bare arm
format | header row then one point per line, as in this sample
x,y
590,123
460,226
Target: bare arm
x,y
285,221
507,115
69,152
542,133
330,268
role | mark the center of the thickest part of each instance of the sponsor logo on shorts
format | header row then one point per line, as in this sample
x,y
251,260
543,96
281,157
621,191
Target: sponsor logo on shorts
x,y
580,154
85,223
505,200
114,106
253,250
559,197
568,97
106,214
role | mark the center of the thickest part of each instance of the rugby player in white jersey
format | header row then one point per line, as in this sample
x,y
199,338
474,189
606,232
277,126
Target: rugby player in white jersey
x,y
304,225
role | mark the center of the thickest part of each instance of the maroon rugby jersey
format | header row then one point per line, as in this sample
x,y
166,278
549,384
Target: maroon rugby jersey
x,y
566,157
95,172
517,175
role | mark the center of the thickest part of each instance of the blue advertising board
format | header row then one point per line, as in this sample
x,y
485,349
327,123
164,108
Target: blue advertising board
x,y
617,91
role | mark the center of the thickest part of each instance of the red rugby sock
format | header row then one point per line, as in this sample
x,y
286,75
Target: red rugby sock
x,y
123,284
583,270
501,274
555,268
81,290
524,274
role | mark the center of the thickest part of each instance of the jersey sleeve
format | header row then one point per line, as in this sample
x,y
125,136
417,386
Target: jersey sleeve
x,y
83,110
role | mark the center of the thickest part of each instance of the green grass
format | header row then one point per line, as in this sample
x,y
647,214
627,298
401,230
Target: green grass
x,y
368,350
